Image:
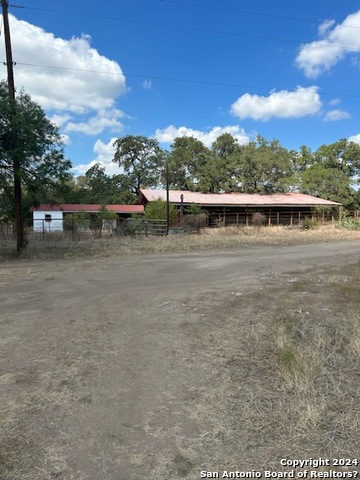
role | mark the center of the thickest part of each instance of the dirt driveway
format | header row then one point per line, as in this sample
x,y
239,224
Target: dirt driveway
x,y
107,365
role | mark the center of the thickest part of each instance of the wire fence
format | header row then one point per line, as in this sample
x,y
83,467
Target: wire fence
x,y
75,229
275,217
79,229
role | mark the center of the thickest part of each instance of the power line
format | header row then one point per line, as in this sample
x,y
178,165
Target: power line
x,y
248,12
320,43
173,79
162,25
210,7
245,12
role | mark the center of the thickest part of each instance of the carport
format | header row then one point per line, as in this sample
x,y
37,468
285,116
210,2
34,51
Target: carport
x,y
224,209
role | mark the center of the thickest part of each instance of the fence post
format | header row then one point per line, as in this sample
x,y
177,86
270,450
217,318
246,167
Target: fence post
x,y
146,231
182,211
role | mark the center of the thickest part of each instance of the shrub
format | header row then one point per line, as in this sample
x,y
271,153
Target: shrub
x,y
193,209
132,226
77,221
350,223
194,222
156,210
309,224
258,219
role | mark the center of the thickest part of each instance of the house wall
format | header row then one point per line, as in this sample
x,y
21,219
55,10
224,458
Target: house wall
x,y
48,221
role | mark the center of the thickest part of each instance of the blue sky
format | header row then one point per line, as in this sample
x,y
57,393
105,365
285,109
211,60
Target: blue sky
x,y
165,68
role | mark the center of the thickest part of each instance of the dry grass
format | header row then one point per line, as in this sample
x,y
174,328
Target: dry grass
x,y
208,239
260,376
284,373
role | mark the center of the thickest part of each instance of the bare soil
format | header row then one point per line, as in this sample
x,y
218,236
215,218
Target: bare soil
x,y
165,365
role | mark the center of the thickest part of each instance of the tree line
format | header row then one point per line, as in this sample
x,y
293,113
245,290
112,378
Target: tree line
x,y
261,166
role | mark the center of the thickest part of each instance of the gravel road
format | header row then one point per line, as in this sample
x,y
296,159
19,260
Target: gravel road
x,y
102,361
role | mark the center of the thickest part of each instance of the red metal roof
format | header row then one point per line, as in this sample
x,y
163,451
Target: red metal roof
x,y
237,199
76,207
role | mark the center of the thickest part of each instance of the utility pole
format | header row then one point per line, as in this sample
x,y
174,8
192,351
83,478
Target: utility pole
x,y
19,228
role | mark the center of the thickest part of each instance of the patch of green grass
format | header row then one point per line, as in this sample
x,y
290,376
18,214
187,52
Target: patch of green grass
x,y
288,359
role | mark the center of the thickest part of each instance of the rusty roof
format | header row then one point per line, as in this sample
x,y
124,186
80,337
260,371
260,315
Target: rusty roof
x,y
236,199
76,207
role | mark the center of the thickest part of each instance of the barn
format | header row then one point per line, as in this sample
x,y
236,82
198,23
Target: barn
x,y
50,218
224,209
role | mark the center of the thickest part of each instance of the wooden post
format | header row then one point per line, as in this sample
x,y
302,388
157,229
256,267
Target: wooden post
x,y
277,219
247,218
167,197
291,217
16,159
181,210
269,222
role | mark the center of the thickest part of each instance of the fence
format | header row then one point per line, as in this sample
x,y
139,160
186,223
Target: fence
x,y
6,229
273,218
75,229
142,226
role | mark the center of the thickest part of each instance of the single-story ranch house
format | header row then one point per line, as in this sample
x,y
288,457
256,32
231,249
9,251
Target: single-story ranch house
x,y
238,208
51,218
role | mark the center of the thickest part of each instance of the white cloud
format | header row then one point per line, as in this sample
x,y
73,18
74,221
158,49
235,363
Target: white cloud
x,y
281,104
336,114
325,27
319,56
65,87
147,84
98,123
105,151
60,120
355,138
65,139
334,102
168,134
104,155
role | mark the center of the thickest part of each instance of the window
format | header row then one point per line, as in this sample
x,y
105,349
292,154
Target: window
x,y
47,217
